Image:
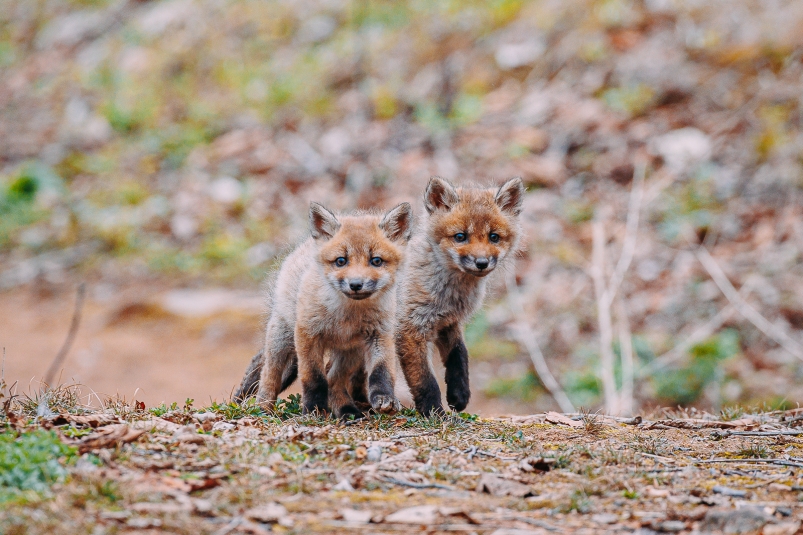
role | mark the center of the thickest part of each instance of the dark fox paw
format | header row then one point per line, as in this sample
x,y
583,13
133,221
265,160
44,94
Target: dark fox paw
x,y
349,412
458,398
385,404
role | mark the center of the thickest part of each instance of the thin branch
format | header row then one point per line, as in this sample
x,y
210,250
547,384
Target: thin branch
x,y
603,317
631,231
743,307
628,365
526,338
65,348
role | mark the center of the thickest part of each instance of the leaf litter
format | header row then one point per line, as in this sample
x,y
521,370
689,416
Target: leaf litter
x,y
303,474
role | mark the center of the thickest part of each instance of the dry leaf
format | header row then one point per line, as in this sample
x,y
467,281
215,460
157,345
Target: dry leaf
x,y
422,515
356,516
92,420
498,486
109,436
269,513
556,418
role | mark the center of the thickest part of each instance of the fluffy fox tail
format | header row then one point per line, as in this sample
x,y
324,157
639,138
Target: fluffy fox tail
x,y
250,383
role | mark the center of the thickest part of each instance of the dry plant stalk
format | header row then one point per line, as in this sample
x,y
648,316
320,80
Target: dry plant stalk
x,y
65,348
605,291
743,307
526,338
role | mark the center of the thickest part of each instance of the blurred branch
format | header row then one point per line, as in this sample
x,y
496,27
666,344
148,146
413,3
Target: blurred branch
x,y
605,291
603,317
626,348
65,348
526,337
744,308
700,334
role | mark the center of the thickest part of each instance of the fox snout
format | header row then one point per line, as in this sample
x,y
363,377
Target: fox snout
x,y
358,288
478,265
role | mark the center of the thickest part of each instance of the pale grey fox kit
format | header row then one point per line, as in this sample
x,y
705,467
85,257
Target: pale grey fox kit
x,y
335,297
467,233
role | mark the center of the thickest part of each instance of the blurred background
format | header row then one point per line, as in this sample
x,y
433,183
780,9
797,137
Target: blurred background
x,y
165,153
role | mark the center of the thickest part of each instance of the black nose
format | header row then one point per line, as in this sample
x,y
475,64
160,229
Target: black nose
x,y
481,263
355,286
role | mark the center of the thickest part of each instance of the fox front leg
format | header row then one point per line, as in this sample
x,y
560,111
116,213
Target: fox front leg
x,y
381,377
314,387
411,348
455,359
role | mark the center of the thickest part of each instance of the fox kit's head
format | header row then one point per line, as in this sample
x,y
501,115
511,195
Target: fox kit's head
x,y
360,254
474,228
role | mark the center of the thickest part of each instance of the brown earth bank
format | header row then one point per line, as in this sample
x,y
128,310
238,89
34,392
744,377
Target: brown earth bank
x,y
230,469
151,341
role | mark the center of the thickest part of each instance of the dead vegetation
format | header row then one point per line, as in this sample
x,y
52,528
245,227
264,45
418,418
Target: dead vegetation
x,y
232,469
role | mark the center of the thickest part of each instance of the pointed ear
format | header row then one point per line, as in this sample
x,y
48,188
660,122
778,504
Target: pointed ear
x,y
510,196
323,223
440,195
398,223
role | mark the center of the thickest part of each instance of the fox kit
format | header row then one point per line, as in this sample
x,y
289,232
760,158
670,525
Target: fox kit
x,y
467,234
335,297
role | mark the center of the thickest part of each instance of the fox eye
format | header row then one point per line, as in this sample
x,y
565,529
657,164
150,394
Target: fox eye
x,y
376,261
460,237
341,261
494,237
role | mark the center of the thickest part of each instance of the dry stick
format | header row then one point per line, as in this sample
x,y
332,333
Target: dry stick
x,y
626,345
780,462
605,291
603,317
744,308
65,348
526,337
700,334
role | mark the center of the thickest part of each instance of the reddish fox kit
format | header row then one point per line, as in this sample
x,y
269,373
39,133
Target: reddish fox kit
x,y
467,234
335,297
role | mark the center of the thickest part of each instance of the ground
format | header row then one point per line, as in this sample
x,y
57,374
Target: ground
x,y
232,469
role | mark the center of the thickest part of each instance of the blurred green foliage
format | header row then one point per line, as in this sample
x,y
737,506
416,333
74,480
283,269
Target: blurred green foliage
x,y
684,386
31,462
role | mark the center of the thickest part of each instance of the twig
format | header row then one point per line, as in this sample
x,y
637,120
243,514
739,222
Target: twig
x,y
659,458
780,462
605,290
744,308
626,348
65,348
631,230
727,432
415,485
413,435
603,317
231,526
526,337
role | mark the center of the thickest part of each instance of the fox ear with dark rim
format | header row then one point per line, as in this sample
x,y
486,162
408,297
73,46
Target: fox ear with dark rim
x,y
510,196
398,223
439,195
322,222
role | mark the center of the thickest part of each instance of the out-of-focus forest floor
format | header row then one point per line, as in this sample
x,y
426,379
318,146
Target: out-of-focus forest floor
x,y
231,469
154,146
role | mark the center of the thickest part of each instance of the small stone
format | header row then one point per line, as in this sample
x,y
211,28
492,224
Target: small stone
x,y
422,515
778,487
356,516
373,454
344,485
670,526
604,518
226,190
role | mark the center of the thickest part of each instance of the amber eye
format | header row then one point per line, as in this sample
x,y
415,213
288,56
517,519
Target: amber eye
x,y
376,261
494,237
341,261
460,237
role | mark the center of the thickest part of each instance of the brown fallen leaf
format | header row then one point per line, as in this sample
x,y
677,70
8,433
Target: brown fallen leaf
x,y
498,486
423,515
109,436
556,418
270,513
92,420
